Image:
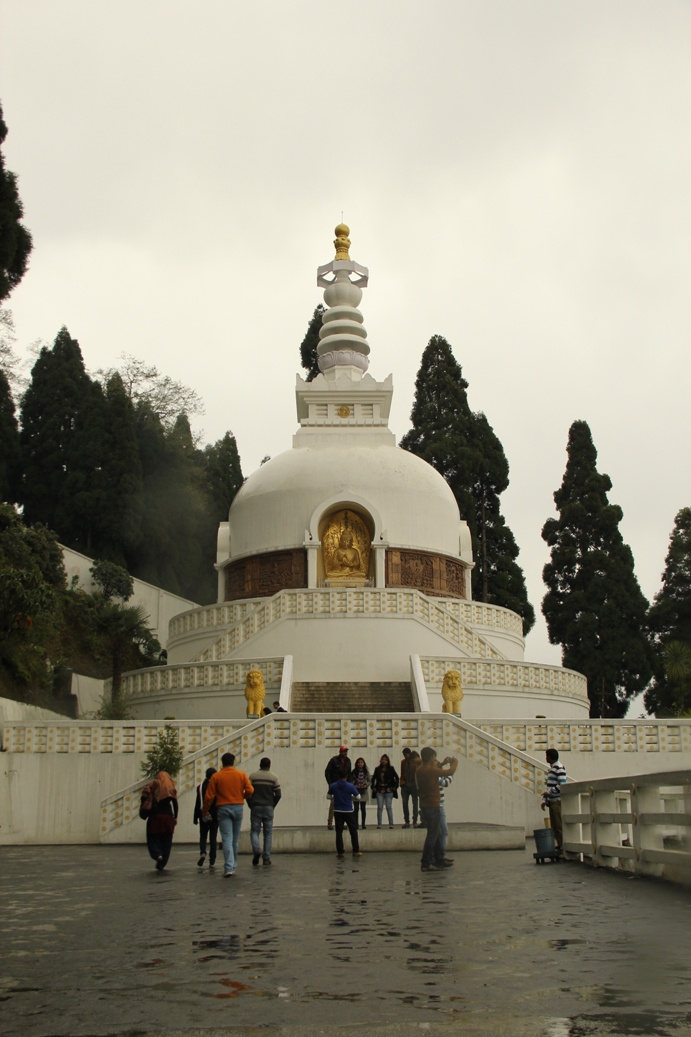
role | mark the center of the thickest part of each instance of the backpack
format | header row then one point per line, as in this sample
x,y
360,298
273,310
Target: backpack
x,y
146,804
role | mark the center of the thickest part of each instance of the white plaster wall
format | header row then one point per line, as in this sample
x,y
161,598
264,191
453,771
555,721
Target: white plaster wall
x,y
88,692
22,712
186,649
504,703
161,606
347,648
191,704
591,766
56,798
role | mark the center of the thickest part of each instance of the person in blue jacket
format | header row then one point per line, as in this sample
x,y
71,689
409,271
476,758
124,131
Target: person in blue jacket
x,y
343,794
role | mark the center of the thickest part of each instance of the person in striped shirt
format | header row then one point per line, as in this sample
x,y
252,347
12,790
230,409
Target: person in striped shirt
x,y
551,797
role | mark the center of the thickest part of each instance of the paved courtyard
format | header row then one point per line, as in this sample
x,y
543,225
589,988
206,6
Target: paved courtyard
x,y
94,941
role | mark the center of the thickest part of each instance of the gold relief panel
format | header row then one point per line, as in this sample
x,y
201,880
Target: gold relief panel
x,y
455,579
417,570
346,545
431,573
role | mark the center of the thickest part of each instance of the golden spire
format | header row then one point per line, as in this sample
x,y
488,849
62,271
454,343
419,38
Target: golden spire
x,y
342,242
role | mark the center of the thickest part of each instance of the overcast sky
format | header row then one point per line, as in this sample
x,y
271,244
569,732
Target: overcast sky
x,y
515,174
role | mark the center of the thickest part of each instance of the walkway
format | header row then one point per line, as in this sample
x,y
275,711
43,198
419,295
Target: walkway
x,y
94,942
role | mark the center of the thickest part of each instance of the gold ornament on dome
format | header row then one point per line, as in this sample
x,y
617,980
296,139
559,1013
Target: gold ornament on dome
x,y
346,547
343,412
342,242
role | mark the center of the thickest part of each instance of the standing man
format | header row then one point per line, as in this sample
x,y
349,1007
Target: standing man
x,y
209,830
230,787
267,792
409,765
427,778
338,767
343,794
551,797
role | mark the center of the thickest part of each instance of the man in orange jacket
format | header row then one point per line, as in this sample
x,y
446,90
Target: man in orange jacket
x,y
228,788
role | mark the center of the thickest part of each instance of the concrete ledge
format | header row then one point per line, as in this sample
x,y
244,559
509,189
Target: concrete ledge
x,y
461,837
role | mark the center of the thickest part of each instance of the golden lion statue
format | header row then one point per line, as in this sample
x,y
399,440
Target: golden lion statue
x,y
451,692
254,693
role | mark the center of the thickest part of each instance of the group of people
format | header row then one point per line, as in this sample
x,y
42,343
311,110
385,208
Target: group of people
x,y
221,796
218,806
423,780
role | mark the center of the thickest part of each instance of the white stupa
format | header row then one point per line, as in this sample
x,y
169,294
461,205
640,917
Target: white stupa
x,y
344,570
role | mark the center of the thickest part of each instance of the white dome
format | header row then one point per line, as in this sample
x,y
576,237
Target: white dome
x,y
410,504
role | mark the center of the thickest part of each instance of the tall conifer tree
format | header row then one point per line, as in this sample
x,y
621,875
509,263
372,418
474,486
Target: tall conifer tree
x,y
594,607
15,239
62,430
223,474
463,447
9,443
308,346
670,620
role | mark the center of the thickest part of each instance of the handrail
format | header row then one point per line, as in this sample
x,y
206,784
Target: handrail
x,y
387,603
312,733
639,824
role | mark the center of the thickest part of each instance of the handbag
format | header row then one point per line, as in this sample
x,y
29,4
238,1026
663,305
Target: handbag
x,y
146,803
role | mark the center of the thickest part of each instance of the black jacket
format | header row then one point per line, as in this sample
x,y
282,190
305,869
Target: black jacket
x,y
337,768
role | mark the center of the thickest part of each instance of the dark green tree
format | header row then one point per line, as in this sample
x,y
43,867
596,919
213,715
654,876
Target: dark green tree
x,y
15,239
178,544
118,523
463,447
9,443
669,620
32,581
166,755
594,607
62,443
112,580
222,474
308,346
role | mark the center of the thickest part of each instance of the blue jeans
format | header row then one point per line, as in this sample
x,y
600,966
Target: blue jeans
x,y
230,823
409,792
261,818
384,798
432,850
443,834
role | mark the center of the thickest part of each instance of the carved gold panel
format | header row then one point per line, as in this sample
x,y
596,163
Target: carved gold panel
x,y
346,545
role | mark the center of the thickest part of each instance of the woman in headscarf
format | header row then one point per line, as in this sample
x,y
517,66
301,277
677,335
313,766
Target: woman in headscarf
x,y
162,819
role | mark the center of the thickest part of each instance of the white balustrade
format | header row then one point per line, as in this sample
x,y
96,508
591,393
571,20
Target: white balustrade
x,y
639,824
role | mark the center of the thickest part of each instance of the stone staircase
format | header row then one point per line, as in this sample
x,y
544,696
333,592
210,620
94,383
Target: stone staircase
x,y
351,697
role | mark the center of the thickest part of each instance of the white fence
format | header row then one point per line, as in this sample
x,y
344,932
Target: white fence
x,y
640,824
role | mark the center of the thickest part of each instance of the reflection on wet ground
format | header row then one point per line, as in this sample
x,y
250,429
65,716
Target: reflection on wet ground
x,y
98,943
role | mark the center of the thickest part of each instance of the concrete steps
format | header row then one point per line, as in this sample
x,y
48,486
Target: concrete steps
x,y
351,697
311,839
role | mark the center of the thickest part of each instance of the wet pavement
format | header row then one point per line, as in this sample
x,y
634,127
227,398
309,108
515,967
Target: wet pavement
x,y
94,941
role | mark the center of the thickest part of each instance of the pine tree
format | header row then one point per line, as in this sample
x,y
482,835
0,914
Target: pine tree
x,y
178,544
9,443
223,474
308,346
463,447
15,239
594,607
669,620
118,526
62,443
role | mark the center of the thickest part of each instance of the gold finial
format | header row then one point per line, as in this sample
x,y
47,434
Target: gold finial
x,y
342,241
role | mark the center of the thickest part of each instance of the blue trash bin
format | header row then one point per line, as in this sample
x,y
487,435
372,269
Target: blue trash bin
x,y
544,842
